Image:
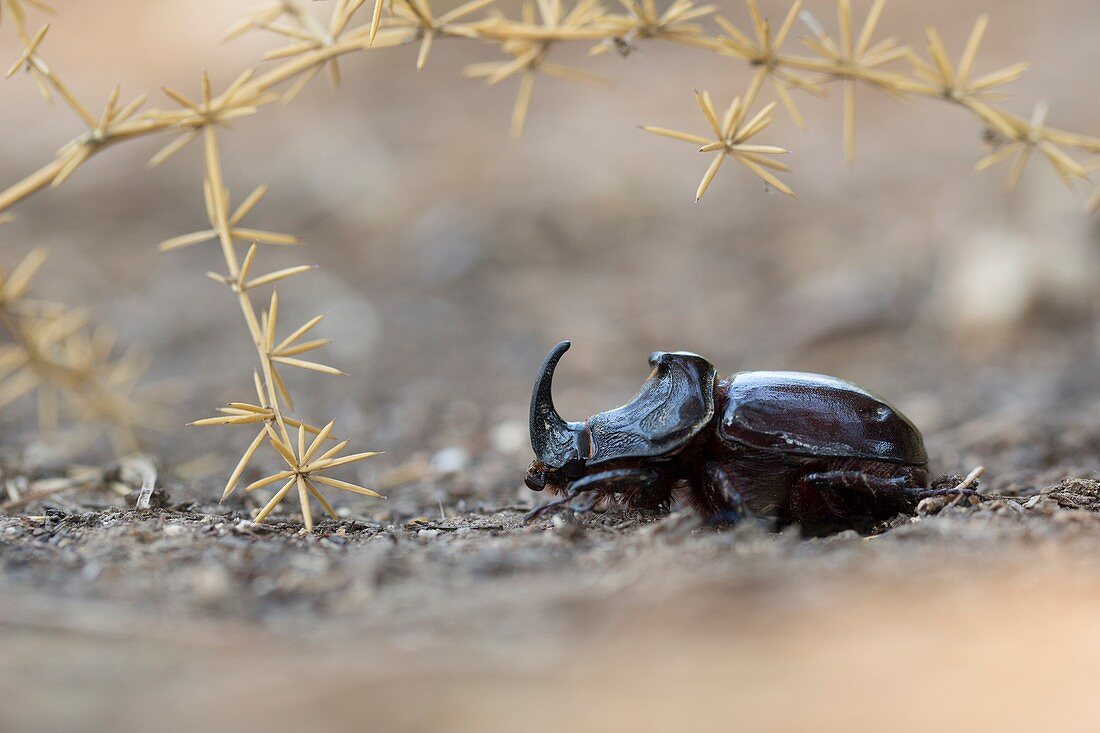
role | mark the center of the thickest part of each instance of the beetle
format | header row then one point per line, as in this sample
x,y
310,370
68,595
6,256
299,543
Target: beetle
x,y
791,447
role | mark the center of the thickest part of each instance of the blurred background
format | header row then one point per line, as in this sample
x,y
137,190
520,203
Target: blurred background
x,y
452,257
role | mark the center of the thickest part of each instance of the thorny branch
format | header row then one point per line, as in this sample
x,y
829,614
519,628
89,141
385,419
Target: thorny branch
x,y
307,465
853,57
310,465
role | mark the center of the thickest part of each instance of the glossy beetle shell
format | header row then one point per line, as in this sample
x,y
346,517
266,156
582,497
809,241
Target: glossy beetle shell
x,y
798,413
792,447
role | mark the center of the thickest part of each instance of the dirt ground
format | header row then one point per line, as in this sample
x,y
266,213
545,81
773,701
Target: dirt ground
x,y
450,261
191,616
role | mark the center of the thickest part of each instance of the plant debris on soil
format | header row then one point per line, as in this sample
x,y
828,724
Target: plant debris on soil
x,y
458,619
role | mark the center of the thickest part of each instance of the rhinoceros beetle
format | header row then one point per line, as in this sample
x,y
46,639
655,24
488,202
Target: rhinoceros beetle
x,y
791,447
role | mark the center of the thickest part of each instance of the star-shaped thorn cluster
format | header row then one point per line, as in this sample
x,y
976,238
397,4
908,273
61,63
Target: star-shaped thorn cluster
x,y
956,81
240,99
234,220
855,58
530,40
642,19
762,52
307,466
731,138
1021,141
247,413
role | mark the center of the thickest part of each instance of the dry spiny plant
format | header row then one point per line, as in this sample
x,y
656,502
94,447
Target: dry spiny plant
x,y
48,350
854,56
309,464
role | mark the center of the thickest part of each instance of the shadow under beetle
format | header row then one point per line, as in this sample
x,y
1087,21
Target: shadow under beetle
x,y
792,447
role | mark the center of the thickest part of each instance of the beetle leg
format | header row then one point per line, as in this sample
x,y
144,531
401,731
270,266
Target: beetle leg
x,y
858,479
614,479
547,506
720,482
829,500
589,505
897,488
603,482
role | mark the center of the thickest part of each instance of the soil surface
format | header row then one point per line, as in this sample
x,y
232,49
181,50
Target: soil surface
x,y
464,618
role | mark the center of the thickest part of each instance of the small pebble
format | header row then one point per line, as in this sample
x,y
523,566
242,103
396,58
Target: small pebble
x,y
428,533
243,526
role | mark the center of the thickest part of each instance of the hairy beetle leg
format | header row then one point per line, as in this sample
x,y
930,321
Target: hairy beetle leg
x,y
877,485
826,501
604,482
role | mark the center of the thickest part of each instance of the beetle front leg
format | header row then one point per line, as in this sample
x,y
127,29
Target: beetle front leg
x,y
605,482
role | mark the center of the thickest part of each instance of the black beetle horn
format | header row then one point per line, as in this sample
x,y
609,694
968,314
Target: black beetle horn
x,y
550,434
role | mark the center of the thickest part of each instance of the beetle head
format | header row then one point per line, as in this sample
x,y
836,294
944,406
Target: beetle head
x,y
671,408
